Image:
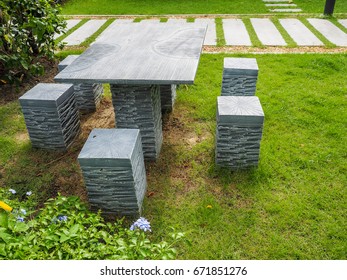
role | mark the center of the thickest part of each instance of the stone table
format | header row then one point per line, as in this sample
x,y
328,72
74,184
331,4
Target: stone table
x,y
136,59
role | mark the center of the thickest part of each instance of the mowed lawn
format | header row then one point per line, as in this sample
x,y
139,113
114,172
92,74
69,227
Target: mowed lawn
x,y
155,7
293,206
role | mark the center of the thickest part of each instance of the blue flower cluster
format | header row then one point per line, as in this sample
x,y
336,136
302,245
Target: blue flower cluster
x,y
62,218
141,224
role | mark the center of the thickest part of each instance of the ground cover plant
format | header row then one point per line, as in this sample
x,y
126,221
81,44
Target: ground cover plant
x,y
153,7
293,206
65,229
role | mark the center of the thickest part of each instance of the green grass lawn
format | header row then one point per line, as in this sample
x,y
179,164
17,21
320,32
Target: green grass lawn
x,y
293,206
155,7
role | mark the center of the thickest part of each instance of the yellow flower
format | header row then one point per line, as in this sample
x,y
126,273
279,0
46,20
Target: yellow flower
x,y
4,206
209,206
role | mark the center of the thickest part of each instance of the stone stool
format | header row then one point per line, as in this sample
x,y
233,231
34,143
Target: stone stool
x,y
113,169
167,97
239,131
239,76
139,106
87,96
51,115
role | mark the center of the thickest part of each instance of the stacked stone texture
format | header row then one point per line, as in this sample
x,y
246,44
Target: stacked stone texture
x,y
51,115
168,97
113,169
87,96
140,107
239,131
239,77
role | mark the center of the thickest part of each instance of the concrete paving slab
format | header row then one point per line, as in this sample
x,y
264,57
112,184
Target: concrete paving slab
x,y
273,1
235,33
150,21
330,31
280,5
121,21
343,22
267,32
84,32
300,33
211,34
70,23
286,10
177,20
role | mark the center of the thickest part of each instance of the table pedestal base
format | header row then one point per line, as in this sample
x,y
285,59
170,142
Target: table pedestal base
x,y
168,97
138,106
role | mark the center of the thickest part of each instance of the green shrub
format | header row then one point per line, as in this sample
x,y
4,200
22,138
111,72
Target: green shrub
x,y
65,229
27,30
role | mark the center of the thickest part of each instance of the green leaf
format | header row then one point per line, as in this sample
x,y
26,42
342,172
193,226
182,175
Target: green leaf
x,y
74,229
3,250
5,237
3,219
64,238
20,227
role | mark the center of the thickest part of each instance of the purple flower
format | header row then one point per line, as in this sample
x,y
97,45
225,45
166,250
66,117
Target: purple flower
x,y
141,224
24,212
20,219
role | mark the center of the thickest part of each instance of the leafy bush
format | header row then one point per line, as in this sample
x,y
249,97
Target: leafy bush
x,y
66,229
27,29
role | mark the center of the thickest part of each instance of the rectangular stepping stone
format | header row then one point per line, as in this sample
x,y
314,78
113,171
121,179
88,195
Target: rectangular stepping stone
x,y
239,76
87,96
211,34
167,97
343,22
113,169
139,106
267,32
51,116
239,131
330,31
122,21
273,1
150,21
177,20
280,5
70,23
84,32
235,33
286,10
300,33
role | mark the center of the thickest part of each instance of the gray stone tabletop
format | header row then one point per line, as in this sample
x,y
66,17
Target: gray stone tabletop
x,y
140,54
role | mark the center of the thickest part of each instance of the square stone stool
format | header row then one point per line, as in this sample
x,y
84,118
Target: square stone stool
x,y
139,106
239,130
51,115
167,97
113,169
239,76
87,96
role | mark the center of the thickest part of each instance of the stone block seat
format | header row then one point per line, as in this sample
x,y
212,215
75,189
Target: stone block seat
x,y
113,169
239,76
51,115
239,131
87,96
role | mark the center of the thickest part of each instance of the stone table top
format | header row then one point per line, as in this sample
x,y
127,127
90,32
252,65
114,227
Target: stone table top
x,y
140,54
